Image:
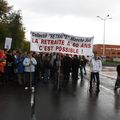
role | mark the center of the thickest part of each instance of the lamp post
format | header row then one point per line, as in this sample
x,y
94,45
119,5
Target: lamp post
x,y
104,20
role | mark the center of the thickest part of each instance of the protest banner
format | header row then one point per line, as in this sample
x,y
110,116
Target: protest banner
x,y
61,43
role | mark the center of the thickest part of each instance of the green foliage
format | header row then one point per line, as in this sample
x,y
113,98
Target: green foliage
x,y
26,46
4,10
11,26
110,63
4,31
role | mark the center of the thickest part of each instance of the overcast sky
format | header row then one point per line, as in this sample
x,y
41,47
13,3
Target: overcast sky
x,y
74,17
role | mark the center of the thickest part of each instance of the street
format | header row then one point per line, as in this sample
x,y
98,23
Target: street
x,y
69,104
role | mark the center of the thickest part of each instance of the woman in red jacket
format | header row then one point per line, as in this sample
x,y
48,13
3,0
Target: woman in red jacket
x,y
2,65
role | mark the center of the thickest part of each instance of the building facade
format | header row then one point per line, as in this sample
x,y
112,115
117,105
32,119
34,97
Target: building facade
x,y
110,52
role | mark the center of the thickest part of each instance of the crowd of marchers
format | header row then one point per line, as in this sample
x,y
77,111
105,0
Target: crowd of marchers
x,y
55,68
29,68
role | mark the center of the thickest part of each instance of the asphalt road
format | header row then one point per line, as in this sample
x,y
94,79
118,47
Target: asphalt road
x,y
69,104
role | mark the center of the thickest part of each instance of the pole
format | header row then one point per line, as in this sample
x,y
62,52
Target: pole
x,y
104,39
59,66
104,19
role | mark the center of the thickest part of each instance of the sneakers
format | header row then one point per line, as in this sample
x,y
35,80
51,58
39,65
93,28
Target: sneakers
x,y
90,90
26,88
98,90
85,73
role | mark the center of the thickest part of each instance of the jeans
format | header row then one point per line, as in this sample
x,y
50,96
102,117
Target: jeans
x,y
94,76
46,75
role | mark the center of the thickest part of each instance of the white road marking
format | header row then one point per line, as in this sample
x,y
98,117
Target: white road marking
x,y
108,90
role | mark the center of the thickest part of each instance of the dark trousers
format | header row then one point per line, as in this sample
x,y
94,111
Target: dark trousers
x,y
81,72
2,78
9,73
66,76
52,74
29,79
117,83
57,83
94,76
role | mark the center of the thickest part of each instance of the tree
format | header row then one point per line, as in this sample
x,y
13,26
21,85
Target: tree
x,y
11,26
17,29
4,10
26,46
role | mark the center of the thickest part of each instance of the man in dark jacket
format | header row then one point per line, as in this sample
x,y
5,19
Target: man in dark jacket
x,y
117,84
75,67
66,70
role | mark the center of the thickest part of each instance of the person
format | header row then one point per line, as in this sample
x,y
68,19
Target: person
x,y
29,63
75,66
96,67
81,66
52,68
19,67
57,65
117,83
84,64
66,70
46,63
10,60
2,66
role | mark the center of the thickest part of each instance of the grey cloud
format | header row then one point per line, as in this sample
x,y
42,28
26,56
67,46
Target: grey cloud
x,y
82,8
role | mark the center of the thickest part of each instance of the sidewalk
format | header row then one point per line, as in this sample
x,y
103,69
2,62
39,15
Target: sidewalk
x,y
107,71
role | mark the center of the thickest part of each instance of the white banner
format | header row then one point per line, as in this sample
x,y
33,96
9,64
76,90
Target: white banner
x,y
8,42
61,43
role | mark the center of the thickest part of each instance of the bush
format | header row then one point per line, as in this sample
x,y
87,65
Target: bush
x,y
110,63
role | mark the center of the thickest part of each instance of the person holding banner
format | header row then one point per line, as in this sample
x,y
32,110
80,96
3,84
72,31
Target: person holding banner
x,y
46,63
29,63
85,61
57,65
52,68
81,66
75,67
66,70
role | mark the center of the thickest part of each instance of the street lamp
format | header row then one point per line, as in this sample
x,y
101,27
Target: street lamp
x,y
104,19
